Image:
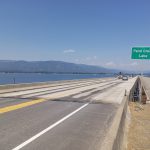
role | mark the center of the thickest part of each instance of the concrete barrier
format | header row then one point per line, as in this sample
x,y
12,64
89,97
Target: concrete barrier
x,y
144,88
115,137
131,93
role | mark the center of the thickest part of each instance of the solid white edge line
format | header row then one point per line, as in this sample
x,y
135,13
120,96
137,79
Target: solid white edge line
x,y
49,128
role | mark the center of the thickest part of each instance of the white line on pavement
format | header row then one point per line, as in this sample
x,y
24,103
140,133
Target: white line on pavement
x,y
49,128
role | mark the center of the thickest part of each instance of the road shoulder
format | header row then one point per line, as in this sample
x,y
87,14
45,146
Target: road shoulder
x,y
139,129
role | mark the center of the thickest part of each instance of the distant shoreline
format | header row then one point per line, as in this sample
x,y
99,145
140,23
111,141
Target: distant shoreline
x,y
21,77
56,73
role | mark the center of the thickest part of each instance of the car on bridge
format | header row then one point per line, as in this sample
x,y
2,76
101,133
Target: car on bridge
x,y
125,78
120,77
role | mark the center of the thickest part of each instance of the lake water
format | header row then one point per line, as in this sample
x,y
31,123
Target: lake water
x,y
10,78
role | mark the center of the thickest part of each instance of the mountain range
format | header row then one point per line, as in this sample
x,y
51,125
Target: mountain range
x,y
50,67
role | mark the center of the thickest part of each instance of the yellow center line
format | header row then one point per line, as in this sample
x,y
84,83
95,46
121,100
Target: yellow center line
x,y
22,105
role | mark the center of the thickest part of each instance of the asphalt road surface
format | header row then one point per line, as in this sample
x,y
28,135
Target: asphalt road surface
x,y
71,115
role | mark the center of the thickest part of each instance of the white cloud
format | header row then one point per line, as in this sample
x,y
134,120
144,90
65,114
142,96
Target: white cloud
x,y
110,64
69,51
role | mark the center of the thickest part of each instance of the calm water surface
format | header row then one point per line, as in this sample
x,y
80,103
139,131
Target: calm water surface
x,y
10,78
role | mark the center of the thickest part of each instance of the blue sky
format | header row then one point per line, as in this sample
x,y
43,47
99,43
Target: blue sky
x,y
96,32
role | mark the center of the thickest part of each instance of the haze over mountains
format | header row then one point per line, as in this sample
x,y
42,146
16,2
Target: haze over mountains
x,y
50,67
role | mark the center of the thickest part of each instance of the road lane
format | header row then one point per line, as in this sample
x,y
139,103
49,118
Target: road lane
x,y
50,91
19,104
84,130
22,145
54,95
115,94
18,126
52,86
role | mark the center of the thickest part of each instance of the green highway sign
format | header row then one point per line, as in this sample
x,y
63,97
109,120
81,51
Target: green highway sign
x,y
140,53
